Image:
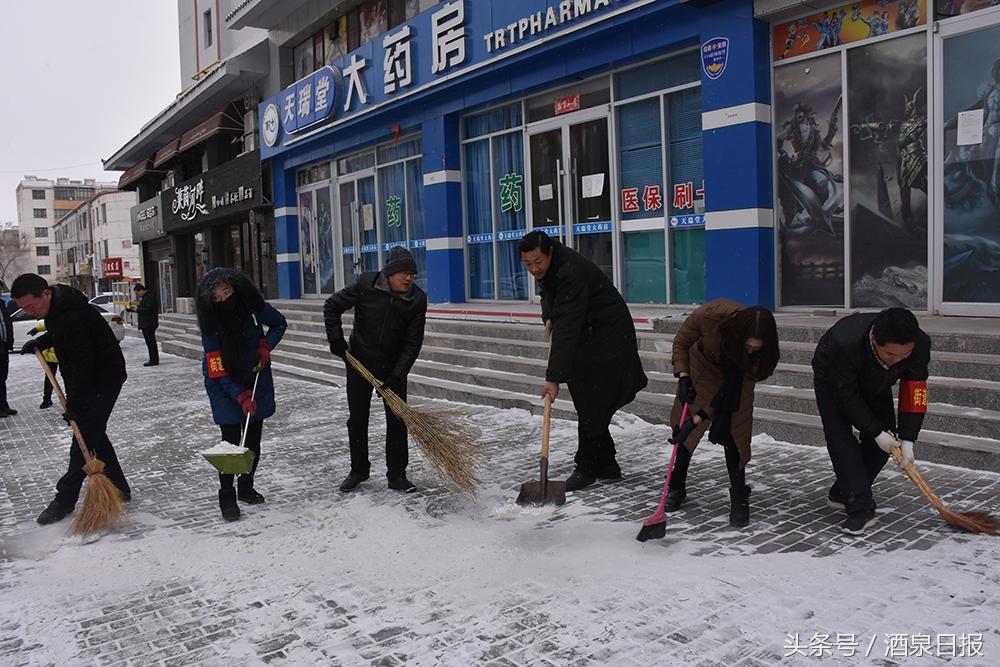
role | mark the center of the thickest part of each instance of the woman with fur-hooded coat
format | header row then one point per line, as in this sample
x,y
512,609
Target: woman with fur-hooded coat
x,y
232,314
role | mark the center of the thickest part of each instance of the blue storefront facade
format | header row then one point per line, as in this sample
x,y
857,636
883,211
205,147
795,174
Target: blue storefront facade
x,y
637,131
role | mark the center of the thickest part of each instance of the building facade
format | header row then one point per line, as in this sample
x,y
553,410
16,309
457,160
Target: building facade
x,y
41,203
202,201
94,246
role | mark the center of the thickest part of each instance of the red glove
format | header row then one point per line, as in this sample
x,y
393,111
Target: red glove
x,y
247,404
264,352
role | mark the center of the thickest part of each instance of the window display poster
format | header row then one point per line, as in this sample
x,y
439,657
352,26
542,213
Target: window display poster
x,y
887,126
853,22
374,20
324,241
810,150
306,254
303,56
318,48
946,8
971,179
335,40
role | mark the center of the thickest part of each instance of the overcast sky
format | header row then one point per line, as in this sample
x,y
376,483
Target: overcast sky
x,y
79,79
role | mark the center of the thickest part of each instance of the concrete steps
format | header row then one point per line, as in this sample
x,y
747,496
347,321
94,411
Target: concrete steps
x,y
501,365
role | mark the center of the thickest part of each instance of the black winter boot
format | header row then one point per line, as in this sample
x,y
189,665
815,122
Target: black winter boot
x,y
352,480
54,512
739,507
675,498
227,503
579,480
245,492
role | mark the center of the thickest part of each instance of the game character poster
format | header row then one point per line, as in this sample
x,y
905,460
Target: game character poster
x,y
848,23
810,158
971,179
945,8
306,254
324,241
887,126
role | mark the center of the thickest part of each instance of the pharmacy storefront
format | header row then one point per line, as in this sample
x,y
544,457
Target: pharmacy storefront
x,y
886,116
631,130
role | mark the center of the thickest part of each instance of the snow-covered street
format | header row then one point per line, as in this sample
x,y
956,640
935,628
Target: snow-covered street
x,y
315,576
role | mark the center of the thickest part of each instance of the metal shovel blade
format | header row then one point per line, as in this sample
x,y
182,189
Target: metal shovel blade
x,y
543,491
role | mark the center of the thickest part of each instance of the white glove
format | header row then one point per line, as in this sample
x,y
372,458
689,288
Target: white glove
x,y
886,441
907,447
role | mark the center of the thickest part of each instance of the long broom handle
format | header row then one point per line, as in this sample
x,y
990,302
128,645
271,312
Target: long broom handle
x,y
87,456
547,415
918,479
670,466
253,392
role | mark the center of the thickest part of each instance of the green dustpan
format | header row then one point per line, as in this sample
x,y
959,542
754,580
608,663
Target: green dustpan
x,y
231,464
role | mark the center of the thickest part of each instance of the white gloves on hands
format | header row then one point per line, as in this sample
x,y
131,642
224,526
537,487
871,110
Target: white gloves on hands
x,y
907,447
886,441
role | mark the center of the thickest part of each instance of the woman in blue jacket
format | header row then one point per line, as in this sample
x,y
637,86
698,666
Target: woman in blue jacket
x,y
232,315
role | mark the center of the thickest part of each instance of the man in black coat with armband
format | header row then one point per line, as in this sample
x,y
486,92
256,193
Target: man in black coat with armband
x,y
93,369
594,349
857,362
389,316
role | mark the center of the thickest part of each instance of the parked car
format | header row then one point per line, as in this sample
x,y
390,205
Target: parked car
x,y
23,323
103,299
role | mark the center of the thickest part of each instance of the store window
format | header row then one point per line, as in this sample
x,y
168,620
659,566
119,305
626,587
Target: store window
x,y
316,241
852,164
660,181
496,213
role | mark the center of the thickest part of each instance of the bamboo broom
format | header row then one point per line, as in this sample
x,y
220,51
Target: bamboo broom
x,y
448,446
974,522
102,501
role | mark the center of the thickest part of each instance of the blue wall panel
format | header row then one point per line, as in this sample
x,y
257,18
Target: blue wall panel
x,y
741,265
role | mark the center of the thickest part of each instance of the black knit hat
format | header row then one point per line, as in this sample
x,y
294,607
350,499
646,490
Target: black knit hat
x,y
399,259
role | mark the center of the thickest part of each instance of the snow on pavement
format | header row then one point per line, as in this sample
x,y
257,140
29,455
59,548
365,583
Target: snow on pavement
x,y
316,577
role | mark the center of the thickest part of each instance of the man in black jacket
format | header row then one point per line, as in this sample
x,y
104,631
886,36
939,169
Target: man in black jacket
x,y
6,345
593,350
856,364
147,320
389,316
93,369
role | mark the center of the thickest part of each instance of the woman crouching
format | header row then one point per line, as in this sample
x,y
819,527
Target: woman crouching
x,y
719,354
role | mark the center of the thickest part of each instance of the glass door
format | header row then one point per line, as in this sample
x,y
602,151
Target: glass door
x,y
571,187
967,168
350,253
368,231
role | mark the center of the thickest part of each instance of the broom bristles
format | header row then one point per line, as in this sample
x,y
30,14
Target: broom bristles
x,y
448,445
102,501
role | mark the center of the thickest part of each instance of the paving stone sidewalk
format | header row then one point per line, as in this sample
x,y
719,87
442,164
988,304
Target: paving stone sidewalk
x,y
318,577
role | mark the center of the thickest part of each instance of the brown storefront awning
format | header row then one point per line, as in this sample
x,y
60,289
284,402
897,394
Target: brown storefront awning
x,y
166,152
220,122
137,172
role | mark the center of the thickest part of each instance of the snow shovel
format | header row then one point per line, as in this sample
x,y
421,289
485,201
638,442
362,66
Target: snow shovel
x,y
236,464
655,526
543,492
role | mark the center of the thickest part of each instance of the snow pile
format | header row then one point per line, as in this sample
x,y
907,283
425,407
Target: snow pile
x,y
225,449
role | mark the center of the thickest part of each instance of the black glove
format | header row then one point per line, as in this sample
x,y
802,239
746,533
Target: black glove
x,y
338,348
682,432
32,331
685,389
30,346
390,382
69,416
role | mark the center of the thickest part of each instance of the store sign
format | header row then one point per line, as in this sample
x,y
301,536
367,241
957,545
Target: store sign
x,y
447,39
681,221
510,193
111,267
715,56
232,188
567,104
853,22
147,224
651,199
685,195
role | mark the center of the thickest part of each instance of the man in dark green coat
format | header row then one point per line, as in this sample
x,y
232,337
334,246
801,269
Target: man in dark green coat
x,y
594,349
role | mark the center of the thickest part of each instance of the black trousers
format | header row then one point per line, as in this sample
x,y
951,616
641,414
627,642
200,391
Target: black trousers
x,y
595,450
150,336
47,386
4,368
359,401
737,475
855,463
93,425
231,433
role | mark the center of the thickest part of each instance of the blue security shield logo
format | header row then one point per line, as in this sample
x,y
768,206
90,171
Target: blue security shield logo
x,y
715,56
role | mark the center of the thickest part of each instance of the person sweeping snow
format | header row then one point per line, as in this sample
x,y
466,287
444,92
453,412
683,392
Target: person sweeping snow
x,y
232,314
720,353
390,312
856,364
